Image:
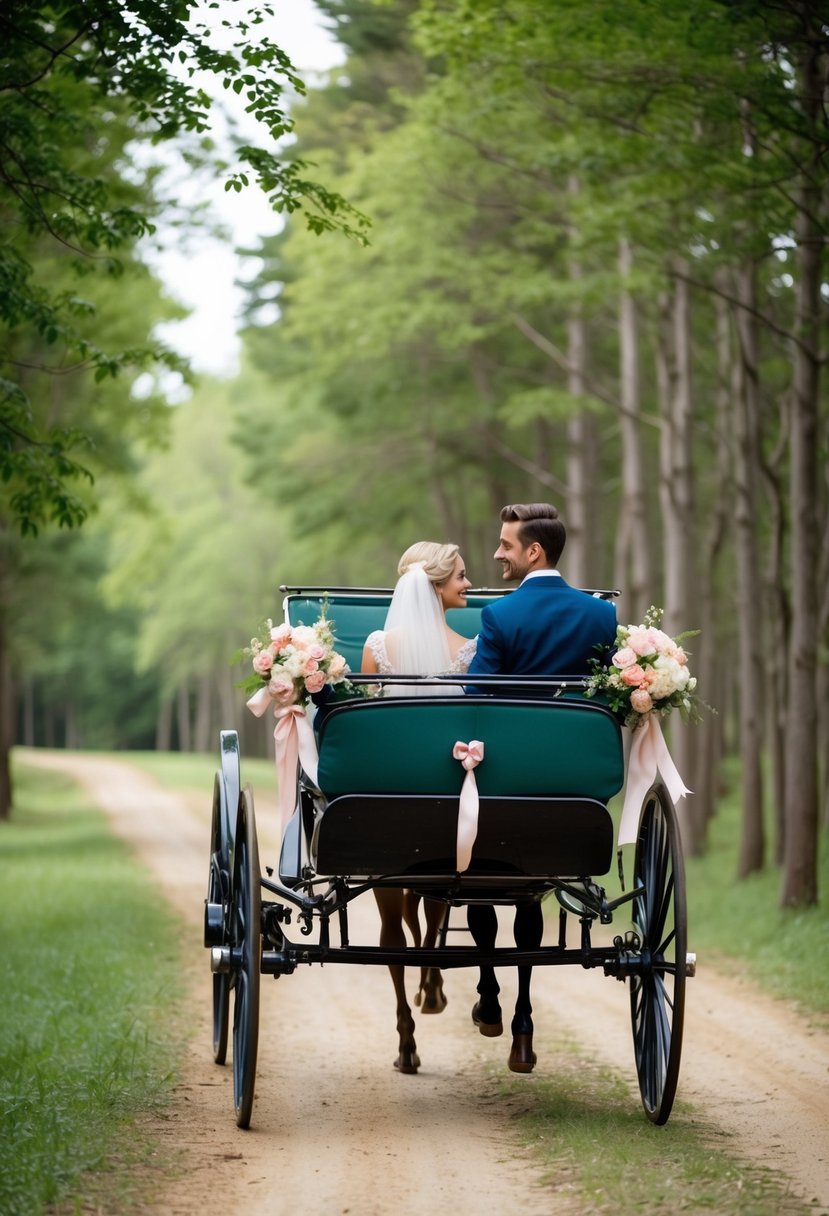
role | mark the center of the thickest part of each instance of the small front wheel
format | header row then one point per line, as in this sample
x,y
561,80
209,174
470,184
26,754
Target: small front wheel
x,y
247,940
657,992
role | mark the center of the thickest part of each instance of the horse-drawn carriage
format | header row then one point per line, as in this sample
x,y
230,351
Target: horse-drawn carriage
x,y
384,812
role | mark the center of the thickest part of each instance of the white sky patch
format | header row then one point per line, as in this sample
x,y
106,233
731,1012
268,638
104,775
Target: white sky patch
x,y
200,269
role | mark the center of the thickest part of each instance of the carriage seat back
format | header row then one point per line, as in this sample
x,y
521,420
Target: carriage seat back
x,y
392,788
570,747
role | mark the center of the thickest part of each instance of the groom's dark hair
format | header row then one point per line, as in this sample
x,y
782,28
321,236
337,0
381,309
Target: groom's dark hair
x,y
539,522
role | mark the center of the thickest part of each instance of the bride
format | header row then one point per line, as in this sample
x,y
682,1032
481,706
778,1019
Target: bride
x,y
417,641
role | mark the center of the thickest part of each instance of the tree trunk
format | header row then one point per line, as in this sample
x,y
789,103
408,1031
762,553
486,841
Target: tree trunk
x,y
632,556
801,794
204,700
7,730
582,463
71,735
185,736
706,661
679,532
164,726
778,614
28,712
750,628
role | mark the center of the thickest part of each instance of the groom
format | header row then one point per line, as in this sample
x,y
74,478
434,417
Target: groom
x,y
545,627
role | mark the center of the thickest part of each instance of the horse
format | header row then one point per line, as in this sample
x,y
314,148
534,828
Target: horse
x,y
396,906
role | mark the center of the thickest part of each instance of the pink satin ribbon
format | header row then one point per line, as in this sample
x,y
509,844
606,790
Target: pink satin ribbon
x,y
649,755
470,755
293,742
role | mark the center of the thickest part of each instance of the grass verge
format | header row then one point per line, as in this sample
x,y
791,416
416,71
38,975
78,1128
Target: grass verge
x,y
739,925
89,965
599,1152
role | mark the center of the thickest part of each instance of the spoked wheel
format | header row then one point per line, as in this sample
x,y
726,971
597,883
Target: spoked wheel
x,y
218,889
657,994
247,946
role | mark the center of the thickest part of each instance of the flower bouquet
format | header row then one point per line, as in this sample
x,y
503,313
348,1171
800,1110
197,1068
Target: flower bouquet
x,y
648,673
291,663
646,678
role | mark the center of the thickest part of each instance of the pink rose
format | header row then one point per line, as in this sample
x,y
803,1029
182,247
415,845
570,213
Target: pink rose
x,y
316,652
633,676
282,689
281,636
624,657
640,701
315,681
641,642
263,662
310,666
337,667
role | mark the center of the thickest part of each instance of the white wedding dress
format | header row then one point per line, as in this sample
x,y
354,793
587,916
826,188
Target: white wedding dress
x,y
376,642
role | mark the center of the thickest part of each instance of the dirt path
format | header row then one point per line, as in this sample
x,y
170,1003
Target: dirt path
x,y
336,1130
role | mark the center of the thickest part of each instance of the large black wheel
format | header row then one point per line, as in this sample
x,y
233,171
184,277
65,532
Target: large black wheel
x,y
657,993
217,913
246,932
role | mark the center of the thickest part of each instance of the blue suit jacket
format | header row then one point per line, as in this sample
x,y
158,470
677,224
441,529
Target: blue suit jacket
x,y
545,627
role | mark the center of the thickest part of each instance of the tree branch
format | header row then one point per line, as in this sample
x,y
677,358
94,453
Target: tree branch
x,y
558,356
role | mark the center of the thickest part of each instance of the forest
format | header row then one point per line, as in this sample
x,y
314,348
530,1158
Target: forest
x,y
532,250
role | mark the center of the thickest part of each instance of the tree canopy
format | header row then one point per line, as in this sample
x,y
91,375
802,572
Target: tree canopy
x,y
81,83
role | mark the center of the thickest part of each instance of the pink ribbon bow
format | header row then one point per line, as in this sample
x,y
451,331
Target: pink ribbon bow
x,y
470,755
293,742
648,755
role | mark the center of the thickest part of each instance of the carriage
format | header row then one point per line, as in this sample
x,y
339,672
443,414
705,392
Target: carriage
x,y
384,812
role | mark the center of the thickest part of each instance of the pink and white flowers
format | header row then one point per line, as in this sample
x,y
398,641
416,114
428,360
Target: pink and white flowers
x,y
648,673
294,661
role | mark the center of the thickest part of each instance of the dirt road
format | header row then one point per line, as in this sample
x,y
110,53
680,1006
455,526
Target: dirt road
x,y
335,1129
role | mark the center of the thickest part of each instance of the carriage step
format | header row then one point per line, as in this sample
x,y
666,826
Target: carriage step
x,y
690,964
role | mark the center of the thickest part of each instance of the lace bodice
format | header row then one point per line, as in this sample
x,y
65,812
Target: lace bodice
x,y
376,643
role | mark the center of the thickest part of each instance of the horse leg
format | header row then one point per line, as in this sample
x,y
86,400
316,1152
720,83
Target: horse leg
x,y
482,920
528,929
431,980
392,937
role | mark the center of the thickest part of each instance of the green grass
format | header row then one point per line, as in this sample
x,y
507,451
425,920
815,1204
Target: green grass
x,y
193,773
596,1147
739,927
89,967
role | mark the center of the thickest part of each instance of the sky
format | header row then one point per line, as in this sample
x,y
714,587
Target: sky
x,y
202,271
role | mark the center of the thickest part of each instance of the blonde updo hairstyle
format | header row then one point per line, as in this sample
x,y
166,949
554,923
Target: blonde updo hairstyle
x,y
438,561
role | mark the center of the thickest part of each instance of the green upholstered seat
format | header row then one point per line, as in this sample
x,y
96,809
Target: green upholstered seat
x,y
358,614
569,747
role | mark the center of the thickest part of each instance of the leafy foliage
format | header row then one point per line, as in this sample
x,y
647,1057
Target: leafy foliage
x,y
80,81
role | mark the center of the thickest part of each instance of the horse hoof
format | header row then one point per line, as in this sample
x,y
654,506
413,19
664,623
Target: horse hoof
x,y
490,1027
408,1061
434,998
521,1057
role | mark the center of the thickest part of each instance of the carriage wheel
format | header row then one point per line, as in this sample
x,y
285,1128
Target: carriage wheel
x,y
247,939
218,886
657,994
